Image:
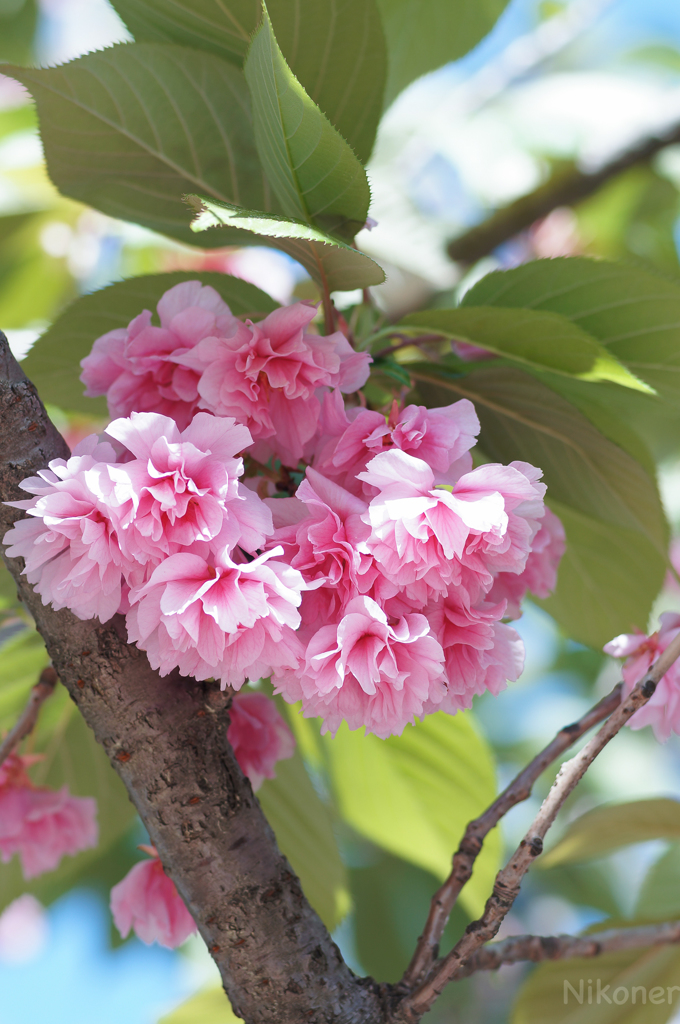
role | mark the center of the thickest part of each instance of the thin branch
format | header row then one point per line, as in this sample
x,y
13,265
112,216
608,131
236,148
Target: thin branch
x,y
508,880
534,948
43,689
464,859
564,188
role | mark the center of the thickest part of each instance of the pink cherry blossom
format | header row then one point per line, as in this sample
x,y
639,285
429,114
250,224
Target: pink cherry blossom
x,y
486,521
217,618
662,710
259,736
41,825
366,671
321,539
540,574
137,367
480,652
70,546
267,375
182,486
147,902
440,437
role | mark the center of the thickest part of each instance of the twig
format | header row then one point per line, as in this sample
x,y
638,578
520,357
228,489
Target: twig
x,y
564,188
534,948
464,859
29,716
509,878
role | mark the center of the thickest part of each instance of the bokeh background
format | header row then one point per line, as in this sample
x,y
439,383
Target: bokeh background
x,y
554,85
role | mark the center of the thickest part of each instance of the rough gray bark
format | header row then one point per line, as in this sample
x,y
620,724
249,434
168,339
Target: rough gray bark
x,y
166,738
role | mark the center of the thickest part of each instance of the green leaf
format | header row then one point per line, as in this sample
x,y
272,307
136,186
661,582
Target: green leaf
x,y
220,28
18,23
133,128
542,339
414,794
659,896
608,579
22,659
424,34
331,263
304,832
390,900
335,48
72,757
310,167
605,829
634,313
634,976
53,364
523,419
210,1006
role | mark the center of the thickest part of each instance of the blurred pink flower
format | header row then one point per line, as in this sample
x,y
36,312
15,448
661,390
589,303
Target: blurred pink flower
x,y
41,825
259,736
147,902
137,367
662,710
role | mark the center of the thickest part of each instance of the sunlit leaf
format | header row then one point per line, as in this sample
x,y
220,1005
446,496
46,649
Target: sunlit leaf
x,y
132,128
424,34
659,896
335,48
53,364
220,28
608,828
313,171
633,312
331,263
640,986
542,339
414,794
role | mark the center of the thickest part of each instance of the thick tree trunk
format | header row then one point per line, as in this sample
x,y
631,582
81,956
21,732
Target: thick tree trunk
x,y
166,738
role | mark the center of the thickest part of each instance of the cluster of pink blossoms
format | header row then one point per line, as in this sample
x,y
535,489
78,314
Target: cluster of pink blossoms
x,y
374,595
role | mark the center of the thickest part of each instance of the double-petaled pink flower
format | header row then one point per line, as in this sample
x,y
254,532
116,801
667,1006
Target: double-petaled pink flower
x,y
70,544
259,736
39,824
367,671
269,375
137,367
216,618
